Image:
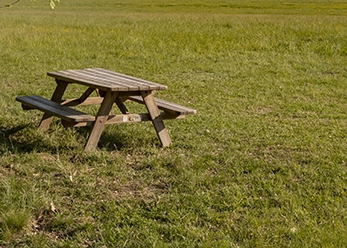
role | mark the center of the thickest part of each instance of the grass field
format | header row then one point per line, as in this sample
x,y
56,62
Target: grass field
x,y
262,164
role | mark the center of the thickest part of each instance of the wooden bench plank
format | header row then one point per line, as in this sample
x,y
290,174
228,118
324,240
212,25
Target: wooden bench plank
x,y
166,106
54,108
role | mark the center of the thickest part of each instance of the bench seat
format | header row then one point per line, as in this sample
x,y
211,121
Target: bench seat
x,y
54,108
169,107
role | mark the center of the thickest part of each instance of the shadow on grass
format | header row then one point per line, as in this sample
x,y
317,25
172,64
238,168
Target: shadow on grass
x,y
118,137
116,140
6,143
6,132
110,141
11,141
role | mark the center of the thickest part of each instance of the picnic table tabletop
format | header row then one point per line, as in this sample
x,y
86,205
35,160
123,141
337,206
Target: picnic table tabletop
x,y
106,80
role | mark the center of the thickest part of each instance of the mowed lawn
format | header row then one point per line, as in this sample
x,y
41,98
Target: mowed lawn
x,y
263,163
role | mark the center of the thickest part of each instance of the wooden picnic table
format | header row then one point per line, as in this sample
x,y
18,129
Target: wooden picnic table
x,y
112,88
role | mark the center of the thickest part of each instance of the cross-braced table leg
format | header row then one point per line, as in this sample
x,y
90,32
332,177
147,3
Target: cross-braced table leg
x,y
56,97
156,118
100,120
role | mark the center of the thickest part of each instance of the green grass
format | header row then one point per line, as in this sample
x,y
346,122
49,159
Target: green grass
x,y
262,164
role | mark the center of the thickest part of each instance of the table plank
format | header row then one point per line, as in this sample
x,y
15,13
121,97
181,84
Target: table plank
x,y
71,77
130,84
106,80
143,84
54,108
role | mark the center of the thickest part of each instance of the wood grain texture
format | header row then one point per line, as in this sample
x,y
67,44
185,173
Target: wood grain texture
x,y
106,80
56,97
169,107
157,121
54,108
100,121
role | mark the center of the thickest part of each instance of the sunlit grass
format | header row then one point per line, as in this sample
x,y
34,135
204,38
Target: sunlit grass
x,y
263,163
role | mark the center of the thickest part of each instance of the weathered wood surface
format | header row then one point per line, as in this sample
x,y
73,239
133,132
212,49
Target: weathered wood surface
x,y
54,108
157,121
77,101
56,97
100,121
166,106
106,80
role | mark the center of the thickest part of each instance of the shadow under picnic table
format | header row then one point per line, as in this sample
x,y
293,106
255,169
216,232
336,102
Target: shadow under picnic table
x,y
10,142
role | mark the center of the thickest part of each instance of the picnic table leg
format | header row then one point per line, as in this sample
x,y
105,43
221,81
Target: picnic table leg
x,y
157,121
56,97
121,106
100,121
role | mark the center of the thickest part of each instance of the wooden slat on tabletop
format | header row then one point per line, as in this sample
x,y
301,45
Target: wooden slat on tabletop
x,y
145,83
113,82
85,75
130,84
78,77
133,84
106,80
71,78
